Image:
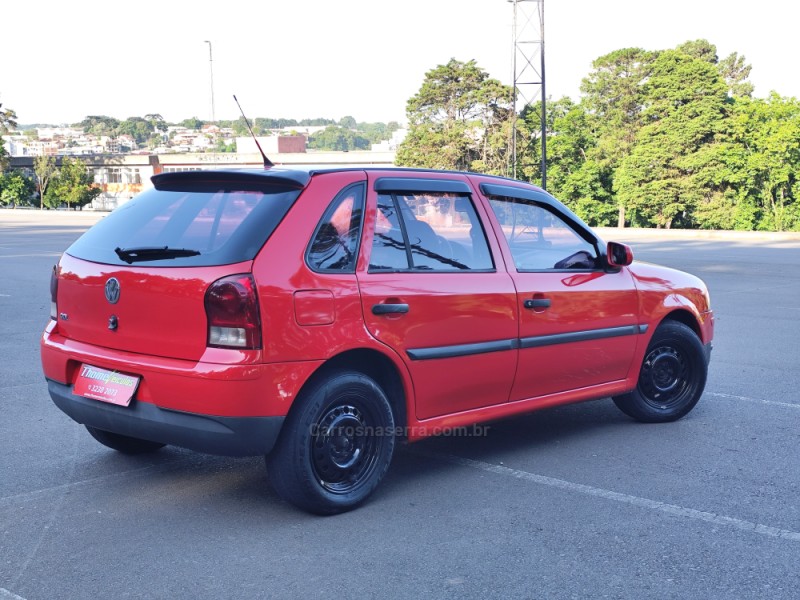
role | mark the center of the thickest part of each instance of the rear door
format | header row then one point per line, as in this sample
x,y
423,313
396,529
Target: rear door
x,y
578,323
432,292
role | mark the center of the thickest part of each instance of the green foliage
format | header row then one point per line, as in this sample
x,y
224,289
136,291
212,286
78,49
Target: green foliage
x,y
458,120
138,128
766,134
72,185
337,139
347,122
662,178
156,121
15,189
222,147
8,121
377,132
614,98
194,123
672,138
100,125
44,167
735,73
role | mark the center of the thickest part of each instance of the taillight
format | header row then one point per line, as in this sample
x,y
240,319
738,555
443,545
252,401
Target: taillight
x,y
54,294
232,311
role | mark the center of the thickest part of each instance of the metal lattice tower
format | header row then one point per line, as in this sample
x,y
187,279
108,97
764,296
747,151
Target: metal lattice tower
x,y
528,71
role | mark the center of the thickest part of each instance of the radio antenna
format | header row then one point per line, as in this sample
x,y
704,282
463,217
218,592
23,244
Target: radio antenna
x,y
267,162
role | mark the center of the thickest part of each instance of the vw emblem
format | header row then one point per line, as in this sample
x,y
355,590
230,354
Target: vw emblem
x,y
112,290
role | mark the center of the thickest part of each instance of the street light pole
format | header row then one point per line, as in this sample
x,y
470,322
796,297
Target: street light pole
x,y
211,69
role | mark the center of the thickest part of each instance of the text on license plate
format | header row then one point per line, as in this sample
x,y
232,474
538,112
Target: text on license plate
x,y
104,385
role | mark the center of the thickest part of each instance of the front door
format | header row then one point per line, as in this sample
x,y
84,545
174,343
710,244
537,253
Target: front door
x,y
578,322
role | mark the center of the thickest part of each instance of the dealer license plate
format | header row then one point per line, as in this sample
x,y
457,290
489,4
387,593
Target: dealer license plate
x,y
106,386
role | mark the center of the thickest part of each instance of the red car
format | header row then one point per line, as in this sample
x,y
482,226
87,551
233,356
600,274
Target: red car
x,y
316,317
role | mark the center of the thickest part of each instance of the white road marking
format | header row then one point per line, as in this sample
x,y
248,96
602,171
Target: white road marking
x,y
6,595
588,490
9,501
756,400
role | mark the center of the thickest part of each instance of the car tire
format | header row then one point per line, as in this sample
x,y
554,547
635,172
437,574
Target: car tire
x,y
123,443
672,377
335,446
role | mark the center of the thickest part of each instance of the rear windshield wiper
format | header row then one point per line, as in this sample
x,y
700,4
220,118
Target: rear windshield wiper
x,y
132,255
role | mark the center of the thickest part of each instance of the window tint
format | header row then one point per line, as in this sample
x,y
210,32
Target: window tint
x,y
539,239
223,226
335,243
433,232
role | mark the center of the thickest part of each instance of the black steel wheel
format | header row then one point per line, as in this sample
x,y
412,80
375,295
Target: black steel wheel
x,y
672,377
336,444
123,443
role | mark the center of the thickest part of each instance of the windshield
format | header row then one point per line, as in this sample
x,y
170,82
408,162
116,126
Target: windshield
x,y
186,228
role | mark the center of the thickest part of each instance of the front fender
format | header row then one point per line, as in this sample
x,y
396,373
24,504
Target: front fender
x,y
669,293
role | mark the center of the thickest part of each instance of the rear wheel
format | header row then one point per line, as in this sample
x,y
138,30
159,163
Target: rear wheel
x,y
672,377
335,446
123,443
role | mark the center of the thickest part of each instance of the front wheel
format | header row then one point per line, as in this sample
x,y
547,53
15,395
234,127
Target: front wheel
x,y
672,377
123,443
335,446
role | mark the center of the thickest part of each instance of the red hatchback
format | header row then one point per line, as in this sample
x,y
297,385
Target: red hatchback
x,y
316,317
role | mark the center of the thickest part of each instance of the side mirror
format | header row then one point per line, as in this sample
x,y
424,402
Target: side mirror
x,y
619,255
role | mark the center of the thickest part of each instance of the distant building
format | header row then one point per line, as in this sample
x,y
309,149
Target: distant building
x,y
122,176
274,144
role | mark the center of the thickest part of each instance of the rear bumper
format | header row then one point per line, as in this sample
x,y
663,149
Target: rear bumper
x,y
227,436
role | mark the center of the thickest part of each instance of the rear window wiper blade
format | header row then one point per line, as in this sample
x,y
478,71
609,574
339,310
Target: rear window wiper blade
x,y
132,255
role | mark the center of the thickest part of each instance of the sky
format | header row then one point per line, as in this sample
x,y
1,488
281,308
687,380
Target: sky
x,y
297,59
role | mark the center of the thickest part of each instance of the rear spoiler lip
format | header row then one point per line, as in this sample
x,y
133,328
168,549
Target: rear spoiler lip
x,y
243,178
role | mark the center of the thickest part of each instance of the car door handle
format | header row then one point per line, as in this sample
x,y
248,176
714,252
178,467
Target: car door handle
x,y
389,309
537,303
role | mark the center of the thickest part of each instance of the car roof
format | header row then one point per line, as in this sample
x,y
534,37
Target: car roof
x,y
299,176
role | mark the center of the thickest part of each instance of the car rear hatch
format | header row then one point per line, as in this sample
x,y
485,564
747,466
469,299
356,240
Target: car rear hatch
x,y
139,280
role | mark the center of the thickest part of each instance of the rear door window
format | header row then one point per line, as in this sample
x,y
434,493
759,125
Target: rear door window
x,y
428,232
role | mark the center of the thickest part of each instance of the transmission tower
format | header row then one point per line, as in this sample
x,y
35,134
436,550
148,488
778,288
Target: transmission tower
x,y
528,69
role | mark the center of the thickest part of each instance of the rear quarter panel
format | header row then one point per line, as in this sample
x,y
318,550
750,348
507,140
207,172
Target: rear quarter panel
x,y
307,315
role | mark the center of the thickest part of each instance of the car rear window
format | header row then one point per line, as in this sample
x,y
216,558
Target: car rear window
x,y
215,226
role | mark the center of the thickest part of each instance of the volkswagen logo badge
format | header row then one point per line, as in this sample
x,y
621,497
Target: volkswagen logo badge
x,y
112,290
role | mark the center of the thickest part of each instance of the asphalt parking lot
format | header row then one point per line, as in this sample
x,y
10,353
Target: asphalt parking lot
x,y
573,502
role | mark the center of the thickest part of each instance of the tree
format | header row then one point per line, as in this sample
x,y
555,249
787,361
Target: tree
x,y
221,147
456,120
766,134
337,139
574,174
100,125
377,132
613,97
663,178
138,128
8,120
15,189
347,122
44,167
735,73
157,122
73,185
193,123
